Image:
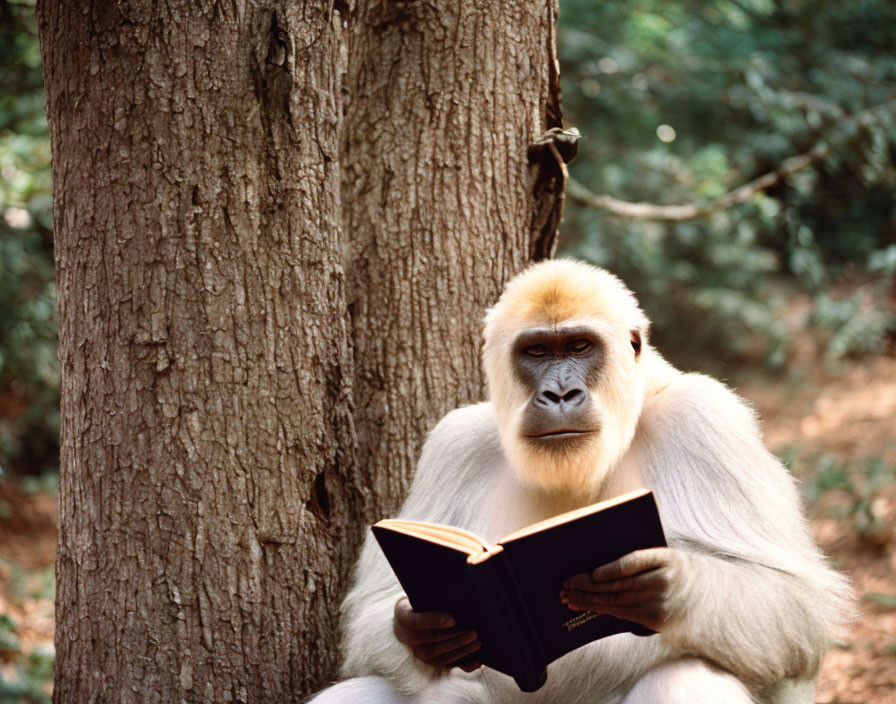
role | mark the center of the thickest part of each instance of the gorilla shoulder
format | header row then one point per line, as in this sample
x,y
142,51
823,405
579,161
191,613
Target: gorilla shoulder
x,y
474,424
694,405
463,441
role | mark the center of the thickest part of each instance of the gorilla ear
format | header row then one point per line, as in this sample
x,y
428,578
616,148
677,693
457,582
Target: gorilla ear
x,y
636,341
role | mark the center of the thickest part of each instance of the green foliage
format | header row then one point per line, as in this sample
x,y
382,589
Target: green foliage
x,y
29,378
858,323
9,637
37,584
27,674
859,483
681,101
887,600
31,679
46,483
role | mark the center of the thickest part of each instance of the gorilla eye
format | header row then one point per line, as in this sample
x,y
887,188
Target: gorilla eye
x,y
580,346
536,350
636,341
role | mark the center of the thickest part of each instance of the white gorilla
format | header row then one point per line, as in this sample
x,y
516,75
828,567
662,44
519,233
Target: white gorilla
x,y
582,409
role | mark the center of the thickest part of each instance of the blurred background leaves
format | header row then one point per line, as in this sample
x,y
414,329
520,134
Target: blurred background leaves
x,y
29,378
683,101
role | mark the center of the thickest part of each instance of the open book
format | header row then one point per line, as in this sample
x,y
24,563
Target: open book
x,y
510,592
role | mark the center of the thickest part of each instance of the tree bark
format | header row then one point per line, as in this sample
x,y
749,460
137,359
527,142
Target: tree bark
x,y
213,485
207,472
442,100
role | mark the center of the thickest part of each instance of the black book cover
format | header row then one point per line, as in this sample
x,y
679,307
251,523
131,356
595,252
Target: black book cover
x,y
542,560
436,577
510,593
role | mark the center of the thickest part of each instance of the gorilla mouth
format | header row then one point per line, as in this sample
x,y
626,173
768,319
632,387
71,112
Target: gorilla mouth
x,y
565,433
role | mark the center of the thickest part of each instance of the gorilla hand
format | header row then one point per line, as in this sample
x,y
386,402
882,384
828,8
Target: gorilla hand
x,y
432,638
642,586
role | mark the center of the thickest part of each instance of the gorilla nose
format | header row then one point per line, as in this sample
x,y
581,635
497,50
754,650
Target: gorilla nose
x,y
569,398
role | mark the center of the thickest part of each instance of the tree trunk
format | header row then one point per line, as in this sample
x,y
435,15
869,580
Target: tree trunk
x,y
212,484
443,100
207,469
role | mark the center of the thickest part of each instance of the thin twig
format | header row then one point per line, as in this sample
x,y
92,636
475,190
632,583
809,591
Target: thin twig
x,y
741,194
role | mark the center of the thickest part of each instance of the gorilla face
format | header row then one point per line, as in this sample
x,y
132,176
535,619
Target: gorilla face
x,y
566,374
558,367
573,395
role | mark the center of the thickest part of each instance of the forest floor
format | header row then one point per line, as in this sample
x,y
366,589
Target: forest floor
x,y
837,431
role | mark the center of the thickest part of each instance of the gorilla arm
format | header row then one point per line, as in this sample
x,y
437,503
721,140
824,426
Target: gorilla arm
x,y
742,585
450,486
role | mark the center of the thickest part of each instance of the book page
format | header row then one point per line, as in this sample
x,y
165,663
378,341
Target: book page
x,y
571,515
451,537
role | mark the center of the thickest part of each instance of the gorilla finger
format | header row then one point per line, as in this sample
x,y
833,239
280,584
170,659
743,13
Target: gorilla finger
x,y
449,659
578,581
470,666
428,651
631,564
429,635
420,620
655,579
595,601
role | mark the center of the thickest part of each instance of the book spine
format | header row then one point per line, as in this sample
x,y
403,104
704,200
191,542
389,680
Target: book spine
x,y
503,605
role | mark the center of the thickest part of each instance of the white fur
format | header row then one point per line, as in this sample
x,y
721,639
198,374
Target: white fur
x,y
688,682
758,599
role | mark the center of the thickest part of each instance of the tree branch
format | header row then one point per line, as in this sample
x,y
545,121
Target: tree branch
x,y
691,211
